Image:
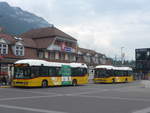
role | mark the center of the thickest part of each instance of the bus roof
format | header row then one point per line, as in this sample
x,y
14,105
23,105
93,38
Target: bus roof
x,y
78,65
105,67
35,62
123,68
109,67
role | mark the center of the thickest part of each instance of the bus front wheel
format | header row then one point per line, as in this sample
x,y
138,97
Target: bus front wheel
x,y
44,83
74,82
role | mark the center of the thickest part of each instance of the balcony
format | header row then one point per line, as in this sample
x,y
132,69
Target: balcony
x,y
59,48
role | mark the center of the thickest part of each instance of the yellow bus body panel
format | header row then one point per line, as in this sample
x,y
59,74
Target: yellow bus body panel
x,y
117,79
52,81
81,79
37,82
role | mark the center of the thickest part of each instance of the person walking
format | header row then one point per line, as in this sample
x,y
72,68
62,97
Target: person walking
x,y
4,81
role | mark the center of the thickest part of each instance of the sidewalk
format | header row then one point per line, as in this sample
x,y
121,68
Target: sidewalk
x,y
5,86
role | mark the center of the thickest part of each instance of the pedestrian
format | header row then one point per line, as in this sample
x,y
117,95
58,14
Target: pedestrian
x,y
1,81
4,81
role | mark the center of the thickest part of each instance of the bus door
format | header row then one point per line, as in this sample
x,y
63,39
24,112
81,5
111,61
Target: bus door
x,y
66,75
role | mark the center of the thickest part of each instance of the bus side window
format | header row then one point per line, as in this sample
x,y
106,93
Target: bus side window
x,y
34,71
57,71
43,71
85,71
54,71
51,71
82,71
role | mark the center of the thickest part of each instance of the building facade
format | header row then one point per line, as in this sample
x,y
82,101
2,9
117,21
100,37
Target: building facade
x,y
49,44
53,44
142,62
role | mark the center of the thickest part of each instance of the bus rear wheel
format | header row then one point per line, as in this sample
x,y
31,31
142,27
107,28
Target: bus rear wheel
x,y
126,80
44,83
74,82
113,80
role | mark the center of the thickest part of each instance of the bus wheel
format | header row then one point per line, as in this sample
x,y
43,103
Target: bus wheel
x,y
44,83
113,80
74,82
126,80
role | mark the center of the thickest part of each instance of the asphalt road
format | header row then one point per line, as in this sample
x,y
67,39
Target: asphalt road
x,y
90,98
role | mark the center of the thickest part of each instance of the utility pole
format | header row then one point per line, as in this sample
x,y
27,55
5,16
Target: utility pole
x,y
122,56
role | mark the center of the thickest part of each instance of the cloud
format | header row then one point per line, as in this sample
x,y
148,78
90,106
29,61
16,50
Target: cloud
x,y
104,26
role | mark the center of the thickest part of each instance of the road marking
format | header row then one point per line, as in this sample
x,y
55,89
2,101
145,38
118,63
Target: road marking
x,y
31,97
37,92
114,98
146,110
21,90
29,109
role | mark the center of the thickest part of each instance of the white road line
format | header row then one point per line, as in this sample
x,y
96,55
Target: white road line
x,y
114,98
31,97
89,92
29,109
21,90
37,92
146,110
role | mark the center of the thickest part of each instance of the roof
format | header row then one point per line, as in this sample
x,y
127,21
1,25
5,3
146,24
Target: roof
x,y
46,32
35,62
109,67
8,38
43,42
89,51
78,65
11,40
123,68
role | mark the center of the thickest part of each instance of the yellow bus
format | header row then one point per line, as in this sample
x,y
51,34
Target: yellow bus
x,y
112,74
40,73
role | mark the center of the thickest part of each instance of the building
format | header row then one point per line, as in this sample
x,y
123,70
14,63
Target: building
x,y
49,44
53,44
91,57
142,62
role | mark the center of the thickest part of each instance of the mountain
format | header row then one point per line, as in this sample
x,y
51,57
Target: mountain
x,y
14,20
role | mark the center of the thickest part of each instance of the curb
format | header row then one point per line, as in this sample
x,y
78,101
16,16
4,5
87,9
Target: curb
x,y
5,86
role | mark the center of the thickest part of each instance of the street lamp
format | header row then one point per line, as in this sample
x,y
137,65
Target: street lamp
x,y
122,56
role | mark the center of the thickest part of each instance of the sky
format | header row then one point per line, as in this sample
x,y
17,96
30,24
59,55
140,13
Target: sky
x,y
105,26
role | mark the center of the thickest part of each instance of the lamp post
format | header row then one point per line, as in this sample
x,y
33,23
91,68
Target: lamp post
x,y
122,56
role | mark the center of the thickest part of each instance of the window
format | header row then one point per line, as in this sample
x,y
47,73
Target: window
x,y
22,72
103,73
43,71
34,71
62,56
78,71
119,73
41,54
54,71
3,48
52,55
19,50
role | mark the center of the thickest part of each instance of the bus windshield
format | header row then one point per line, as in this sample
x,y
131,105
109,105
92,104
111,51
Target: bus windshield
x,y
22,72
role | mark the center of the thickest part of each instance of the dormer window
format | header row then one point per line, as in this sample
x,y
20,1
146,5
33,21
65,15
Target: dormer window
x,y
19,49
3,47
